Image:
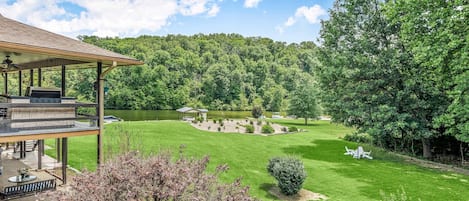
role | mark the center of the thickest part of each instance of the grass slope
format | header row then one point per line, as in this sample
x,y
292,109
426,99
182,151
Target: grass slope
x,y
329,172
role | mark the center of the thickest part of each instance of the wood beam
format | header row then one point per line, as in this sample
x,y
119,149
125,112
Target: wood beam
x,y
17,138
100,110
39,77
63,81
31,77
64,159
5,77
39,154
20,82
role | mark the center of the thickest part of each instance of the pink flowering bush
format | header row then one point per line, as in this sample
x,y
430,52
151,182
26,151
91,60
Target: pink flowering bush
x,y
131,176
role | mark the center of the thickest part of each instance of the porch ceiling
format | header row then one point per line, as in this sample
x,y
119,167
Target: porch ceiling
x,y
30,47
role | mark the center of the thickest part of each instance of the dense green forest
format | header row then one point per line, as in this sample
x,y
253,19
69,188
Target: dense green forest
x,y
398,71
217,71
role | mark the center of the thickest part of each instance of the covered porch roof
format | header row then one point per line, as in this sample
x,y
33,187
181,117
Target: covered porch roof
x,y
28,47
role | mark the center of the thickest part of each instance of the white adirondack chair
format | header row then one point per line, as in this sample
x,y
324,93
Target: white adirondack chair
x,y
348,151
362,153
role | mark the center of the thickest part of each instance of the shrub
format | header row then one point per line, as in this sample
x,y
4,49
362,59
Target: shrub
x,y
358,137
220,121
284,129
251,122
219,129
222,124
289,173
293,129
267,129
132,176
249,128
259,123
256,111
214,121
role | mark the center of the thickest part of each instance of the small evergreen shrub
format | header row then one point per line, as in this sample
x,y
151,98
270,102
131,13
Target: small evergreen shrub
x,y
293,129
251,122
267,129
256,111
214,121
289,173
219,129
220,120
249,128
358,137
259,123
284,129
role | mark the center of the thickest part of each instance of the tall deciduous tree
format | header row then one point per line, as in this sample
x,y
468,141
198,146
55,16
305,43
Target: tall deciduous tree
x,y
370,81
304,102
437,34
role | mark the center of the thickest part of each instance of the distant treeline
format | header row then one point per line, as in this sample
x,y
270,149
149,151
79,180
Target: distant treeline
x,y
217,71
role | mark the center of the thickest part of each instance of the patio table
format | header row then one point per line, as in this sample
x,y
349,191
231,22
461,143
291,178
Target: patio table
x,y
19,179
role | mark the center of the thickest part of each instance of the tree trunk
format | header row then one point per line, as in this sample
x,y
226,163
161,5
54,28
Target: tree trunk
x,y
462,153
306,120
427,153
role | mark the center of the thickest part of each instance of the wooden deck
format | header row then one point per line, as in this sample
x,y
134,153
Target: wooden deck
x,y
79,129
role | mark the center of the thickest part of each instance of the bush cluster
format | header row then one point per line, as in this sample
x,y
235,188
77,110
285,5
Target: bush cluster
x,y
158,177
289,173
267,129
249,128
292,129
358,137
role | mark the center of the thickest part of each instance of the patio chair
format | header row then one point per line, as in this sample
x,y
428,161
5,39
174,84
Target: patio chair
x,y
367,155
348,151
362,153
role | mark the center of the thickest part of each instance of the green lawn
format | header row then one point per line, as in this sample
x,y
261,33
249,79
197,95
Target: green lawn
x,y
329,172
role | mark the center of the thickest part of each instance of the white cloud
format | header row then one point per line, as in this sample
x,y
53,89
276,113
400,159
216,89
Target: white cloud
x,y
251,3
311,14
192,7
105,17
213,11
291,21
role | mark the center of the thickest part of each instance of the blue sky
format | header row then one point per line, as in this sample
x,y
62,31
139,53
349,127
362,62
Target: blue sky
x,y
281,20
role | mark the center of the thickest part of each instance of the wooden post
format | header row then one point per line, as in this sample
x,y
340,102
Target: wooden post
x,y
62,94
39,77
64,159
57,146
5,90
39,154
63,81
100,110
31,77
20,77
39,84
24,149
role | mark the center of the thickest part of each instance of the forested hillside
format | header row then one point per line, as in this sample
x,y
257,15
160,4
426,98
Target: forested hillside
x,y
217,71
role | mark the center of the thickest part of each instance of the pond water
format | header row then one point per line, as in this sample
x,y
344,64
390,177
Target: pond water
x,y
141,115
